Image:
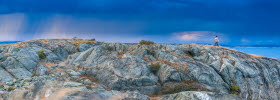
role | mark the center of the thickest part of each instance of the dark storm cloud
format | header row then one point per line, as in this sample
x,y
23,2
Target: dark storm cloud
x,y
217,10
214,10
93,6
240,19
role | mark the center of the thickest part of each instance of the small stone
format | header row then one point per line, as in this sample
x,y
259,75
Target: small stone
x,y
74,78
41,70
72,84
6,87
9,83
73,73
87,82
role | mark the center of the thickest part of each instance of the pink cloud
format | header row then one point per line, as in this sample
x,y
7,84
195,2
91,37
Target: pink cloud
x,y
199,37
189,37
195,35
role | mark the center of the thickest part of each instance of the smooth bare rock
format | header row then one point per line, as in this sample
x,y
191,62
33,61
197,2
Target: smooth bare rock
x,y
72,84
41,70
16,68
85,46
20,60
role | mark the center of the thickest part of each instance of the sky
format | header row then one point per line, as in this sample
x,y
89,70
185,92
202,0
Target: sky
x,y
236,22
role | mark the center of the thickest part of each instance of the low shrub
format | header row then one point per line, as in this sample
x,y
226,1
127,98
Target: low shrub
x,y
92,39
155,67
42,55
144,42
11,88
234,89
109,48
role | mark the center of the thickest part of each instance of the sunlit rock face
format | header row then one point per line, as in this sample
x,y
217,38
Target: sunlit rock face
x,y
51,89
76,69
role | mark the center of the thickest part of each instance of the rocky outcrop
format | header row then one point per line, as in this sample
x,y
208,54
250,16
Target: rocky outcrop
x,y
126,67
197,72
21,60
129,73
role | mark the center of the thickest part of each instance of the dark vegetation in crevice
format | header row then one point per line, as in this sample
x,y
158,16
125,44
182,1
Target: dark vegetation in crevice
x,y
176,87
108,48
189,53
155,67
234,88
151,52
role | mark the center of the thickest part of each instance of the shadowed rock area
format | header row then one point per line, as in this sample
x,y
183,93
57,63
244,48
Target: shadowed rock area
x,y
75,69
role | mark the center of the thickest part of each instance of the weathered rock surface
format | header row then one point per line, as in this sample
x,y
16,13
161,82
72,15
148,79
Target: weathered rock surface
x,y
126,67
21,60
197,72
52,89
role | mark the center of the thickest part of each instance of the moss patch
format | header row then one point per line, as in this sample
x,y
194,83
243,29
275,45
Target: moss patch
x,y
42,55
234,89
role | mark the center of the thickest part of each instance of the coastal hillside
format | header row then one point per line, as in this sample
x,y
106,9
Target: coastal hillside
x,y
75,69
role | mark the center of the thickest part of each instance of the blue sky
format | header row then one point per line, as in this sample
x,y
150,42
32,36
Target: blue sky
x,y
238,22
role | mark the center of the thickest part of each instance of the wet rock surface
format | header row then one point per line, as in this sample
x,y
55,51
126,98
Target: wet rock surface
x,y
75,70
